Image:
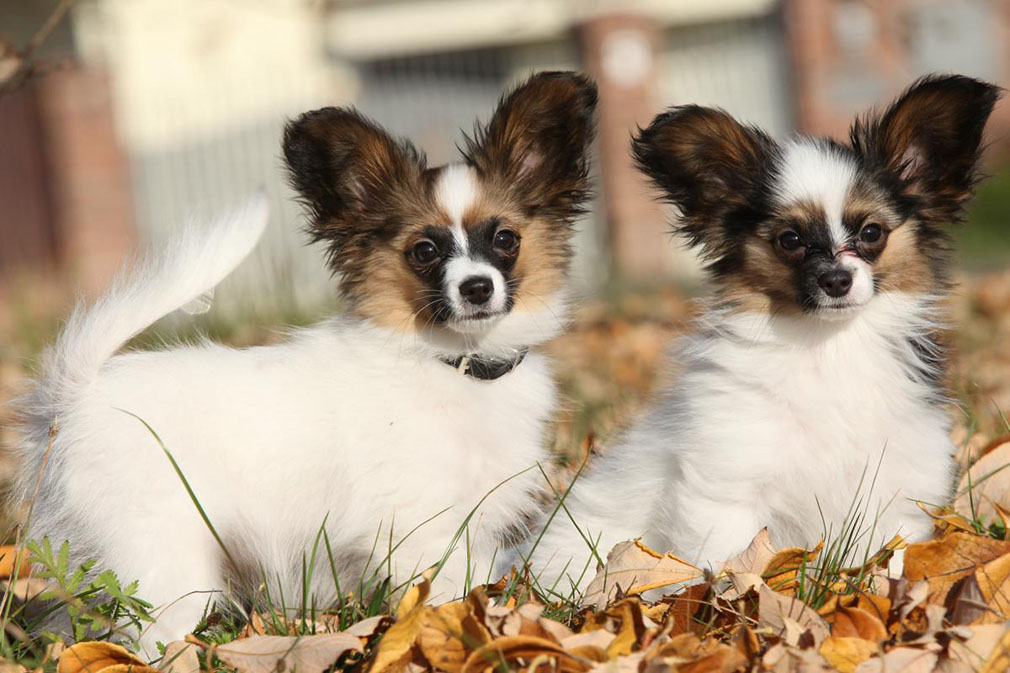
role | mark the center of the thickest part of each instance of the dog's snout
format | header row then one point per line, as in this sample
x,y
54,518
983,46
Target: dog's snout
x,y
477,289
836,283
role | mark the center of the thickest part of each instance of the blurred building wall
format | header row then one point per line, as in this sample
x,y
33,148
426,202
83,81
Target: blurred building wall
x,y
196,93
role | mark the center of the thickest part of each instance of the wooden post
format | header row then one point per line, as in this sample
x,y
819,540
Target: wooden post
x,y
619,51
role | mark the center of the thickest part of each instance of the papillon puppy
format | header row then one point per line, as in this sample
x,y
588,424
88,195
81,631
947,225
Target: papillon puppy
x,y
814,382
408,430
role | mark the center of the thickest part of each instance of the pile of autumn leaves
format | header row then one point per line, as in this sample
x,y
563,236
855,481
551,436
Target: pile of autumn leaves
x,y
946,612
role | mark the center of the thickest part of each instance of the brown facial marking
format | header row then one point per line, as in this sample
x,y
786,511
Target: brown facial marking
x,y
901,266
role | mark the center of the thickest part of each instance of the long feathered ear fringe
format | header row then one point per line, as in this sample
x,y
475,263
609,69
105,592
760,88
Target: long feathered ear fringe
x,y
710,166
928,143
347,171
536,144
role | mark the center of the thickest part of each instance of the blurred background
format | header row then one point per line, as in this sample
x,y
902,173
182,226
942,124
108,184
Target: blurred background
x,y
120,118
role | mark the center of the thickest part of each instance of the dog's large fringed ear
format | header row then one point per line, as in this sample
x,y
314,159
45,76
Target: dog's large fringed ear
x,y
537,144
929,141
344,166
708,165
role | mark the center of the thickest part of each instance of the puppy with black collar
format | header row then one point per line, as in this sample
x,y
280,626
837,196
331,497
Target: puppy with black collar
x,y
411,426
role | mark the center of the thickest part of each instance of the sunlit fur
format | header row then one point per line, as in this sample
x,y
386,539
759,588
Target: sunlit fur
x,y
793,403
356,426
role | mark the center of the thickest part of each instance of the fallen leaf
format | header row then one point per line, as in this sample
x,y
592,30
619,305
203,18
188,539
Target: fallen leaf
x,y
634,569
943,562
901,660
8,555
269,654
967,602
857,623
91,657
784,567
999,659
986,483
180,657
445,639
788,617
755,558
398,641
993,583
846,653
501,651
366,628
983,642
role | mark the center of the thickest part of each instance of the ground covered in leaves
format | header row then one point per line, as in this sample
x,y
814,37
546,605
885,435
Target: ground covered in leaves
x,y
834,607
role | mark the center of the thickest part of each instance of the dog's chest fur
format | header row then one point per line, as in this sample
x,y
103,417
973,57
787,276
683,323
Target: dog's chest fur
x,y
790,415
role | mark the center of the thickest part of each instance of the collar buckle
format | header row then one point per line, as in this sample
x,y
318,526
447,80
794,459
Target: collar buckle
x,y
485,368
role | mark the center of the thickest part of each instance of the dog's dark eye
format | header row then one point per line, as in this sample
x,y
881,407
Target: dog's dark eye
x,y
790,241
871,233
424,253
506,240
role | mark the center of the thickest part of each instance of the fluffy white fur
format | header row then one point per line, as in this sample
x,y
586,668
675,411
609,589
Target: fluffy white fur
x,y
768,413
344,423
776,421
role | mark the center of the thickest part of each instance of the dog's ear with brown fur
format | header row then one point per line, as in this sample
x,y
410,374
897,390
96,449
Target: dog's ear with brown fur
x,y
929,141
707,164
536,144
347,168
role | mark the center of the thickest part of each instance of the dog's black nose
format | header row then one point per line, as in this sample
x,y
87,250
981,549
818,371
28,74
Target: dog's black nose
x,y
836,283
476,289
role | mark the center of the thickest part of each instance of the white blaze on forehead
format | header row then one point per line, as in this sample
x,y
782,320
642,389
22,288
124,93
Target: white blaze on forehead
x,y
816,173
456,191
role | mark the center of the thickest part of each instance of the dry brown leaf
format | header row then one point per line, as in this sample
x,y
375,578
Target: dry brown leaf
x,y
981,642
305,654
789,618
901,660
986,483
994,584
858,623
266,654
446,636
634,568
25,588
943,562
781,572
501,651
628,613
967,601
180,657
415,595
846,653
686,653
553,630
11,667
755,558
91,657
397,643
999,658
8,555
366,628
598,638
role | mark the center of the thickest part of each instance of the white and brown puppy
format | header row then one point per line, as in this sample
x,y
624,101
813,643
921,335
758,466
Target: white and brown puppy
x,y
417,415
818,357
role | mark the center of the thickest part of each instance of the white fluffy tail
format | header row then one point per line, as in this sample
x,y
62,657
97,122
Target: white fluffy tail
x,y
154,287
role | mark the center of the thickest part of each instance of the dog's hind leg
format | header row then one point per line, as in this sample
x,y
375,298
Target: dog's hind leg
x,y
180,569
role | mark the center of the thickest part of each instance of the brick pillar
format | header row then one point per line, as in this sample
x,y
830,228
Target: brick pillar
x,y
89,173
619,51
845,57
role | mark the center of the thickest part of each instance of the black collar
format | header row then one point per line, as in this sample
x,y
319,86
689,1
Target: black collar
x,y
484,368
